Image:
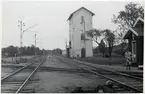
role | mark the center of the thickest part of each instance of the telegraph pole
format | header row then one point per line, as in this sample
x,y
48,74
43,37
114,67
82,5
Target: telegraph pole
x,y
66,43
35,43
21,24
85,36
34,34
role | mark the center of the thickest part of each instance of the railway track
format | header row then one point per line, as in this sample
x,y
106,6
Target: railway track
x,y
124,83
15,82
18,67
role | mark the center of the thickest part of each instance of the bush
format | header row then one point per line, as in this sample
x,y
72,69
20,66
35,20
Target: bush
x,y
107,55
120,52
23,60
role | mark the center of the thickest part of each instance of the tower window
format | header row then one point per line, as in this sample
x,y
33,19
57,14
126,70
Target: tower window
x,y
70,44
82,19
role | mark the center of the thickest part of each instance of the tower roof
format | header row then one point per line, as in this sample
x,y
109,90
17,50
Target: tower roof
x,y
78,10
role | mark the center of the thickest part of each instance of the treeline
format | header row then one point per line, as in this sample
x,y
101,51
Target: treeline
x,y
114,39
29,50
117,49
57,51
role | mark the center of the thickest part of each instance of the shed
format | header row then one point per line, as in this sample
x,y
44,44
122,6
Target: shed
x,y
135,36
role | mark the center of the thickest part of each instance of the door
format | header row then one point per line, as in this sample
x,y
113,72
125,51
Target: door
x,y
83,52
134,51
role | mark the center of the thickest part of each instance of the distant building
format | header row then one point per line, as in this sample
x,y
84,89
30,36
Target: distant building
x,y
135,36
79,22
64,52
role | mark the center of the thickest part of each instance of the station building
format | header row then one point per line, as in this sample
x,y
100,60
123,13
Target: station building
x,y
79,22
135,36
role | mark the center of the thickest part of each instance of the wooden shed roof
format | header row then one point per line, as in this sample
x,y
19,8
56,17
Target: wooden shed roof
x,y
136,31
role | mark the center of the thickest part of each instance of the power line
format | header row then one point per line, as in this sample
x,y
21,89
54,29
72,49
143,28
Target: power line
x,y
21,25
30,27
35,42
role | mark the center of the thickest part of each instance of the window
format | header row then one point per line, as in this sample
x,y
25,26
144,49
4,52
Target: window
x,y
82,19
82,36
70,44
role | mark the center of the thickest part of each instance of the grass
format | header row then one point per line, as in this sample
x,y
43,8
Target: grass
x,y
23,59
98,59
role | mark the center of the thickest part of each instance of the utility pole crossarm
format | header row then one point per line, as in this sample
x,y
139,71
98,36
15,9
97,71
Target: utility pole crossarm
x,y
30,28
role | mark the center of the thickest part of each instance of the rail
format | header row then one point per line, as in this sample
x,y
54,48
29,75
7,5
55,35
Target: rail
x,y
25,82
6,77
110,78
123,74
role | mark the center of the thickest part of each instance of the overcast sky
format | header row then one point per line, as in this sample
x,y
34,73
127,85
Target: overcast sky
x,y
51,16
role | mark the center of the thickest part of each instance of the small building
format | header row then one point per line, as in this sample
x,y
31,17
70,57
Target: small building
x,y
135,36
64,52
79,22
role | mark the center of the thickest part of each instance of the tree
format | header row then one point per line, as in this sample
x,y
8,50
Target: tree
x,y
24,50
28,50
57,51
102,47
94,34
11,50
127,17
110,40
95,50
32,49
